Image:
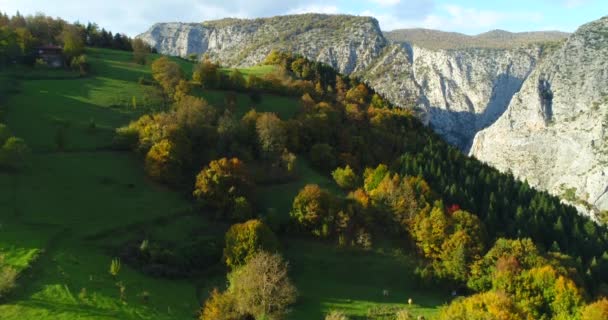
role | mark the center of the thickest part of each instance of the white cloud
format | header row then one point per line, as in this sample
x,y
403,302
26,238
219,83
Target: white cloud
x,y
453,17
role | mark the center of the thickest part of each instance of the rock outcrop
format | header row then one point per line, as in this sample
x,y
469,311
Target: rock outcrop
x,y
555,131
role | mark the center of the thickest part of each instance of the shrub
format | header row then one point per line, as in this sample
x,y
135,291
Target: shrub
x,y
244,240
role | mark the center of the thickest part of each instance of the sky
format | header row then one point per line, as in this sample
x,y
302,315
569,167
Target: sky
x,y
466,16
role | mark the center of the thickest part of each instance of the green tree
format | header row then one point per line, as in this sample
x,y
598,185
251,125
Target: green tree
x,y
244,240
73,42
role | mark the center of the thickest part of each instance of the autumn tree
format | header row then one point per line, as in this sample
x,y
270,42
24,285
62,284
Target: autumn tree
x,y
141,50
596,311
523,252
168,75
220,306
244,240
345,178
207,73
165,161
221,184
272,135
193,113
314,210
485,306
237,80
262,287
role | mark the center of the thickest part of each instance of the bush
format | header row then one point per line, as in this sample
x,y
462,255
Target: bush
x,y
244,240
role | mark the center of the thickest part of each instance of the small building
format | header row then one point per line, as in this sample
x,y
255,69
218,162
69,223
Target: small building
x,y
51,55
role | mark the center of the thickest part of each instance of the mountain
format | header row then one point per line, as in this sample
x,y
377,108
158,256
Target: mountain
x,y
555,131
461,85
495,39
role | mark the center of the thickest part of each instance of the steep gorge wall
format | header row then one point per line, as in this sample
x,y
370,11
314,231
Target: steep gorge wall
x,y
555,131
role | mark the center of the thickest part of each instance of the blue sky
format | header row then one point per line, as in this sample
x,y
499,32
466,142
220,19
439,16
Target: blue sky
x,y
466,16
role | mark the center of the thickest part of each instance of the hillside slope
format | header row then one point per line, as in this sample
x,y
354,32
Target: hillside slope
x,y
554,133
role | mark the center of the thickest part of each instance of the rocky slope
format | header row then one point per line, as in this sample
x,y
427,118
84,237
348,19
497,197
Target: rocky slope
x,y
555,131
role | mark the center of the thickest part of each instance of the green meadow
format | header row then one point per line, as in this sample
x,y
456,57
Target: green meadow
x,y
66,215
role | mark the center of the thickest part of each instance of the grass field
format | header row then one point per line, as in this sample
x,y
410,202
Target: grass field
x,y
61,216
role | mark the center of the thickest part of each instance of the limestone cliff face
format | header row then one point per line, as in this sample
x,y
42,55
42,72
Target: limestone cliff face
x,y
555,131
460,91
347,43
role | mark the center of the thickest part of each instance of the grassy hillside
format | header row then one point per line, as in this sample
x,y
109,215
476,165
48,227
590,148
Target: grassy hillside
x,y
66,216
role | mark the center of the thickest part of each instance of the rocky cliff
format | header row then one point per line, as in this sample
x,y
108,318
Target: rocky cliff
x,y
555,131
460,91
347,43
